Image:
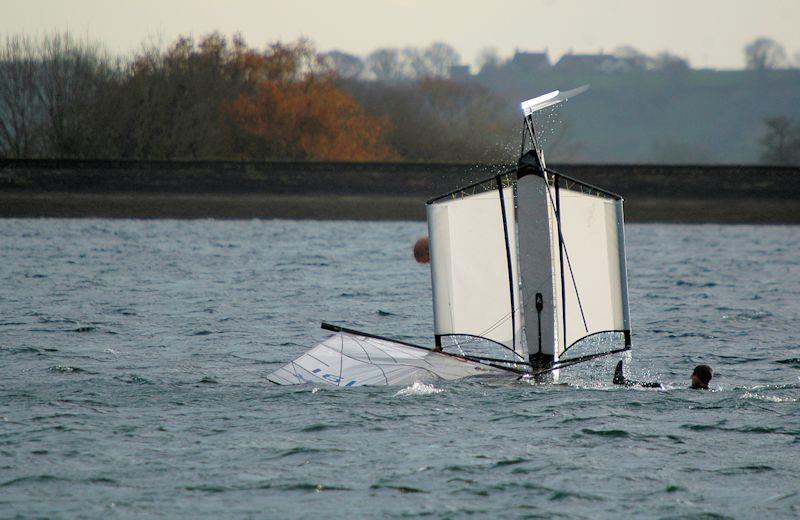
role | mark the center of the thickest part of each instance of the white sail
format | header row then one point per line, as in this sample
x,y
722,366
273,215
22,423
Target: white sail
x,y
595,279
349,359
473,248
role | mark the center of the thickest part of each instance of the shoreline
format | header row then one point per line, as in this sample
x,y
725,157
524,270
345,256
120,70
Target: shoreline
x,y
63,188
352,207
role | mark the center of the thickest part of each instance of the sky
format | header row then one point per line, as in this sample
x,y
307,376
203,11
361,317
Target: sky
x,y
709,33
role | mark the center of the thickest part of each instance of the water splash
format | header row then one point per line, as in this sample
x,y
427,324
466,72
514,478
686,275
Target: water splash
x,y
419,388
768,398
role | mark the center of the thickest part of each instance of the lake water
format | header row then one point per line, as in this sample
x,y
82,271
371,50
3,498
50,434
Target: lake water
x,y
133,357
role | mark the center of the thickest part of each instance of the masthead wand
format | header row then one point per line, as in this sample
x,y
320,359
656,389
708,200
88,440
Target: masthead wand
x,y
539,103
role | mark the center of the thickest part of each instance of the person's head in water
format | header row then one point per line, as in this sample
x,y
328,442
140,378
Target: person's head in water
x,y
701,376
421,251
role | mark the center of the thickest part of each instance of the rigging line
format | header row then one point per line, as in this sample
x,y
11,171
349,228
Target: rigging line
x,y
492,327
509,264
561,259
504,318
341,361
569,263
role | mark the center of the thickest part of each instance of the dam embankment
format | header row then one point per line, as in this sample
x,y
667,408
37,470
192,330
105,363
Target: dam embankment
x,y
370,191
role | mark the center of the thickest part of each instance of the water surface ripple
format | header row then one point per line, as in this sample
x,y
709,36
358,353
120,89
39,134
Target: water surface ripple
x,y
133,357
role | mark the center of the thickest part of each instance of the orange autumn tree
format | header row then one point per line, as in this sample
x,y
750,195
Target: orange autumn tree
x,y
295,110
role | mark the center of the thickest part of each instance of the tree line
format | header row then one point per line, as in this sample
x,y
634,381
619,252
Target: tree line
x,y
216,97
219,98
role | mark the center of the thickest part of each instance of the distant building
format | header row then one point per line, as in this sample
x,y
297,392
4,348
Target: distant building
x,y
593,63
529,62
459,72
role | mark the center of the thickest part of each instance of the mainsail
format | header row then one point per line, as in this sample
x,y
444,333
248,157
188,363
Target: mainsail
x,y
351,358
474,276
524,265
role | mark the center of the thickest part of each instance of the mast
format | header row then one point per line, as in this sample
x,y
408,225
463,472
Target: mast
x,y
548,294
537,357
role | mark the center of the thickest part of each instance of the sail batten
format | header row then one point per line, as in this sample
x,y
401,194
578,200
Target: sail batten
x,y
594,299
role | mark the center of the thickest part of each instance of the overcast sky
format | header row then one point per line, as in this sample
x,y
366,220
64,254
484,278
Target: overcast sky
x,y
710,33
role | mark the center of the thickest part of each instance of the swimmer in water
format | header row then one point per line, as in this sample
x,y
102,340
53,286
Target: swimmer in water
x,y
701,376
620,379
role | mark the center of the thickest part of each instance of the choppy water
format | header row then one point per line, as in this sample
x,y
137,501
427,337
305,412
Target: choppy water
x,y
133,356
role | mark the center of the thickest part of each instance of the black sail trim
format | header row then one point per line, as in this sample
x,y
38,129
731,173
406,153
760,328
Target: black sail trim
x,y
626,332
522,171
579,182
488,180
484,339
509,263
488,361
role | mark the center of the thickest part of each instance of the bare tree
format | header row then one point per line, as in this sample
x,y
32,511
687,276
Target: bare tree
x,y
416,63
440,57
780,143
72,73
347,66
764,53
385,64
20,111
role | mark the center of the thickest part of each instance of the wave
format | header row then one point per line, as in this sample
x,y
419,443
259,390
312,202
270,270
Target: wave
x,y
65,369
769,398
297,450
401,489
612,434
35,479
317,427
419,388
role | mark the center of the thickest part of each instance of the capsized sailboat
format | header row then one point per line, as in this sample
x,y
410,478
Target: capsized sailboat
x,y
525,265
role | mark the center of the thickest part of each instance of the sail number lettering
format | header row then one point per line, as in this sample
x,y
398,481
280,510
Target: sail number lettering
x,y
332,378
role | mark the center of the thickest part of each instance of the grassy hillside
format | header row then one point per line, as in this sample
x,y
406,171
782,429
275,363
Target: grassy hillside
x,y
692,116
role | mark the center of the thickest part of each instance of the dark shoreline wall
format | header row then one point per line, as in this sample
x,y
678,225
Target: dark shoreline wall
x,y
328,190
